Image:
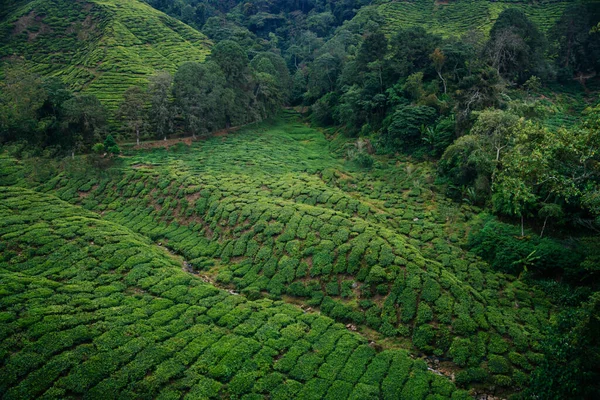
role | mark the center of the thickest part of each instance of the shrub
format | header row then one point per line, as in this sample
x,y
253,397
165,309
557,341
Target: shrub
x,y
503,247
423,337
364,160
498,364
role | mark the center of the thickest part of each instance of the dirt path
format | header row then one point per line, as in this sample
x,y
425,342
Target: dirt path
x,y
154,144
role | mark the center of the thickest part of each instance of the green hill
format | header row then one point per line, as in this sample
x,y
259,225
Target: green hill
x,y
99,46
90,309
456,17
269,212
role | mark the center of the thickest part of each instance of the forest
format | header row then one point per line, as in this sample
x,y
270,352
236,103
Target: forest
x,y
308,199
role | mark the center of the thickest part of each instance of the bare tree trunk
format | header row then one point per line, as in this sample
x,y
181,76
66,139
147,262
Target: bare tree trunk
x,y
443,81
137,135
543,227
72,154
522,227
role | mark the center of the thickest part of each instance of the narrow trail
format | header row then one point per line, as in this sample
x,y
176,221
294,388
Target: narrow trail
x,y
188,140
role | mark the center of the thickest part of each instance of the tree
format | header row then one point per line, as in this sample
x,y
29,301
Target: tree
x,y
410,50
233,61
22,95
439,59
544,169
161,108
516,47
466,165
322,75
269,91
496,129
404,129
111,146
85,121
513,196
570,368
477,92
577,48
413,87
475,159
200,93
272,82
370,59
132,110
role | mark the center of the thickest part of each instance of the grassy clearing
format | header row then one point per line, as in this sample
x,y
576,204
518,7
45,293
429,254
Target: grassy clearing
x,y
269,212
99,47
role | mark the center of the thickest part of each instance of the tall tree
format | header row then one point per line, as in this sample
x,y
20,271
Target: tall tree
x,y
272,82
233,61
577,49
516,47
85,121
132,110
200,92
161,107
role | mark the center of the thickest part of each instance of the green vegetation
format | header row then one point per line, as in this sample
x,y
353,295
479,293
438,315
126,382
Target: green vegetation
x,y
457,17
91,309
268,212
422,216
98,47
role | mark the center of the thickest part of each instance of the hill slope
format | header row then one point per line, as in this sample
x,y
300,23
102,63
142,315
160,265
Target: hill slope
x,y
91,310
98,46
270,212
456,17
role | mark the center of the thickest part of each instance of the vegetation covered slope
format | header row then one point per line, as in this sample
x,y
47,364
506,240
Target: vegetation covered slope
x,y
456,17
101,47
270,212
90,309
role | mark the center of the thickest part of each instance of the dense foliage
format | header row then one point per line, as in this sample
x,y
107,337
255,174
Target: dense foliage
x,y
90,309
268,212
461,223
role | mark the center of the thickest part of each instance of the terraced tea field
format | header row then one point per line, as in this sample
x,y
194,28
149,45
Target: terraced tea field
x,y
316,248
457,17
90,309
101,47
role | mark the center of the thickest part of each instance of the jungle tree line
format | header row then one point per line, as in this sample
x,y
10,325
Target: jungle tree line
x,y
227,90
46,115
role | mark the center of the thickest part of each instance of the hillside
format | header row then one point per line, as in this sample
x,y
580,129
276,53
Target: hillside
x,y
457,17
95,310
288,220
99,47
344,200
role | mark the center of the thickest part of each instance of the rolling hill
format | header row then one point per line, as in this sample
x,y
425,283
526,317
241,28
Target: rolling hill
x,y
99,46
91,310
268,212
456,17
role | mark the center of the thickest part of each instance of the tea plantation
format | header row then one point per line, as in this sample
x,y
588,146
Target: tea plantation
x,y
269,212
90,309
457,17
100,47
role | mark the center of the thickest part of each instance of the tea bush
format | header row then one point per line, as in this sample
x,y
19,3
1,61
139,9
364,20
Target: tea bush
x,y
121,318
268,212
